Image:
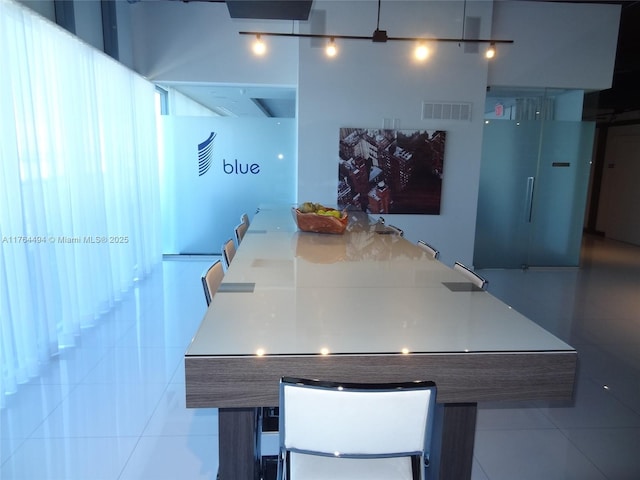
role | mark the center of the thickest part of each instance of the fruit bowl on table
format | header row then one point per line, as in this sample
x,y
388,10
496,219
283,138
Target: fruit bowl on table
x,y
321,223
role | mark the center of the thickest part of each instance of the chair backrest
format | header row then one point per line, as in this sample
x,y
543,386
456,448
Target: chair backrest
x,y
228,252
390,228
429,249
356,420
240,230
472,276
211,280
244,218
396,230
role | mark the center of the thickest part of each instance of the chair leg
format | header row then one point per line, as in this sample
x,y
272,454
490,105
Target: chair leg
x,y
283,466
416,466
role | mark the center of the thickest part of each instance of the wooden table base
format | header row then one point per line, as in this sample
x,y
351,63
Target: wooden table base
x,y
238,454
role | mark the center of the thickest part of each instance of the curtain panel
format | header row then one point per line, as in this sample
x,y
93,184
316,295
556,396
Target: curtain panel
x,y
79,189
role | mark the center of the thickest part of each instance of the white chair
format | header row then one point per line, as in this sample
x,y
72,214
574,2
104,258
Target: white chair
x,y
390,228
211,280
240,230
429,249
396,230
472,276
343,431
228,252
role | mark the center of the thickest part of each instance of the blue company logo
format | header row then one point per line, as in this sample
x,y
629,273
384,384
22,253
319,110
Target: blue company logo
x,y
205,153
205,158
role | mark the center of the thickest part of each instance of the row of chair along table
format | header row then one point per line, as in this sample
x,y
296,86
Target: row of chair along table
x,y
212,278
387,427
471,275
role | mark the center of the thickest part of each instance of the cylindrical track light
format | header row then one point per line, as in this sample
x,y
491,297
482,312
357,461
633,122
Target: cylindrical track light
x,y
421,52
491,51
259,47
331,49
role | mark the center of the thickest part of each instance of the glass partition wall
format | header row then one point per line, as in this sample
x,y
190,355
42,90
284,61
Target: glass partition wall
x,y
536,160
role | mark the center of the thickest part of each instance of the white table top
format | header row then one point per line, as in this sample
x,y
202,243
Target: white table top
x,y
295,293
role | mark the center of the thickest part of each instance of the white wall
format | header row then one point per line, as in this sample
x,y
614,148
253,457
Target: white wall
x,y
46,8
369,82
88,17
618,214
561,45
199,42
88,23
125,39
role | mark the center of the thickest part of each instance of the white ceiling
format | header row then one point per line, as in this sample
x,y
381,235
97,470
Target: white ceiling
x,y
242,100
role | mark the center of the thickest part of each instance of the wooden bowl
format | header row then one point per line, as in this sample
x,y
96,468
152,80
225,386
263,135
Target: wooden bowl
x,y
312,222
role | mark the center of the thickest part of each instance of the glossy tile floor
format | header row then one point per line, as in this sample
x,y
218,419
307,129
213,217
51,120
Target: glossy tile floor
x,y
113,407
596,310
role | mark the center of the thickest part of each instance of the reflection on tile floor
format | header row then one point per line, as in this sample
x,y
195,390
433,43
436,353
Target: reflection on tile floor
x,y
596,309
113,408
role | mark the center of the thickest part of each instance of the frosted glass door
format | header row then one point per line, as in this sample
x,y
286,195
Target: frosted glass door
x,y
507,180
533,187
560,198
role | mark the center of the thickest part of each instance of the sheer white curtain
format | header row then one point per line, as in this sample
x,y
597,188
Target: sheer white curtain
x,y
79,195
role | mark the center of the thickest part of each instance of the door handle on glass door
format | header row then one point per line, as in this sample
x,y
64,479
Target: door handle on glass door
x,y
529,199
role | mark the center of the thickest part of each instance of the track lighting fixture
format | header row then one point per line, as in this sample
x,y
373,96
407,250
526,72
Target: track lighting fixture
x,y
378,36
421,52
331,49
258,47
491,51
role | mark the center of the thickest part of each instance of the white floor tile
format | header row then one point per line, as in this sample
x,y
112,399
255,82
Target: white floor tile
x,y
593,407
8,445
532,455
476,471
73,364
137,365
69,459
615,451
512,417
27,409
615,368
109,410
172,417
174,458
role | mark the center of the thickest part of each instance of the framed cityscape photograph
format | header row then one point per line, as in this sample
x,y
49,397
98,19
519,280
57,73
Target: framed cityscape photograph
x,y
391,171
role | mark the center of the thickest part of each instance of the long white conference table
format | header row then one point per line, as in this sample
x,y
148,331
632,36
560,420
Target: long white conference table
x,y
365,306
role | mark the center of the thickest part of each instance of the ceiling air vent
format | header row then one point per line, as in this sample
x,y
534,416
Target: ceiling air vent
x,y
446,111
